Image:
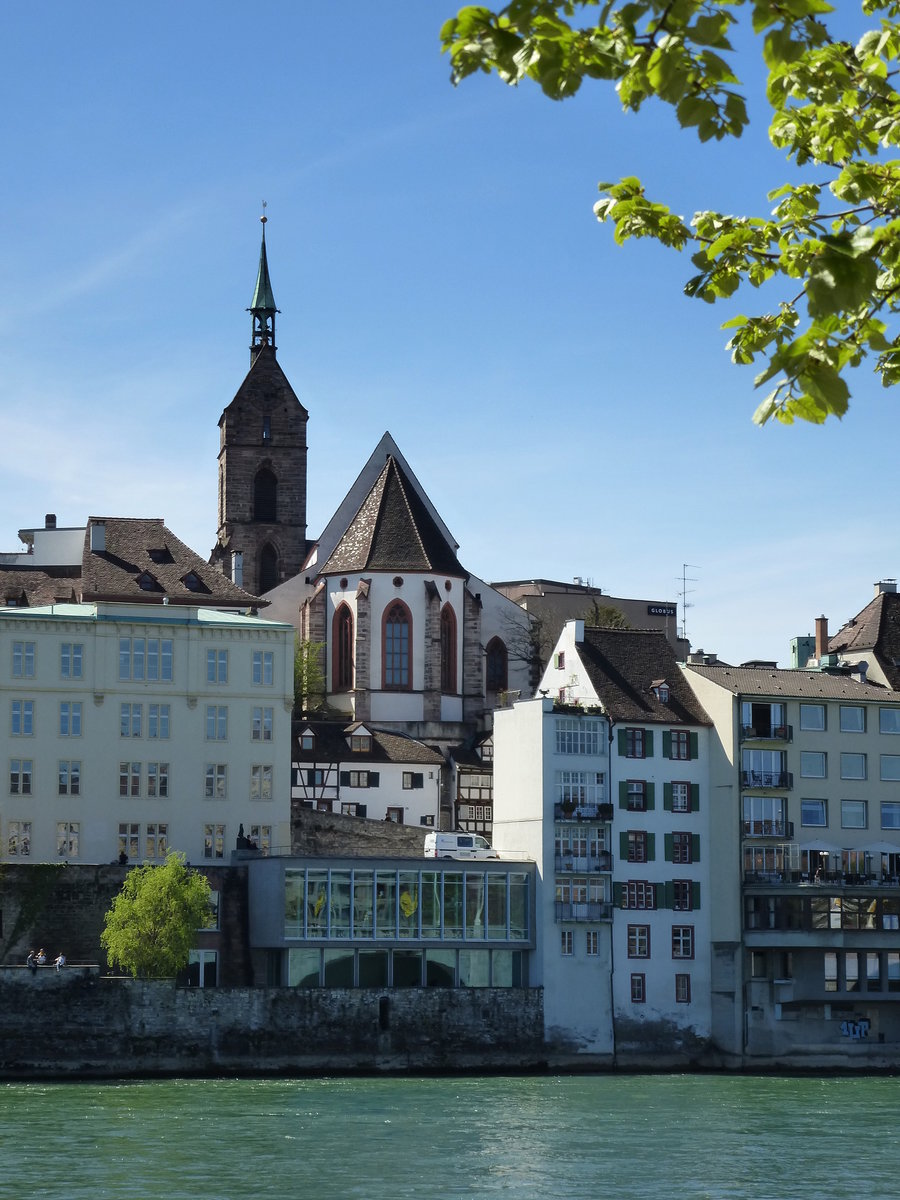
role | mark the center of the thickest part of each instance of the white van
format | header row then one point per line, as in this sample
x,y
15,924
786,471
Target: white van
x,y
458,845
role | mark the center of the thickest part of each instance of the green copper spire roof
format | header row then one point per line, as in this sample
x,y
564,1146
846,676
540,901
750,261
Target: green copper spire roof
x,y
263,300
262,306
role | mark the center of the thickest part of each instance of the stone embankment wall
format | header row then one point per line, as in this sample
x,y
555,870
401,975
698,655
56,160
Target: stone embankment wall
x,y
331,834
75,1023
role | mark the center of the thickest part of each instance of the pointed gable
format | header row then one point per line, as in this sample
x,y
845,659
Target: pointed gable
x,y
393,531
264,387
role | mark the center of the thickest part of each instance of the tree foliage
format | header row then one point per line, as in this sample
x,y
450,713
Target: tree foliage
x,y
604,616
832,241
309,675
152,924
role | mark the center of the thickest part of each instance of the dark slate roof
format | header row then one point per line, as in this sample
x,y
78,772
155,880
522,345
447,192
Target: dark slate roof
x,y
393,531
876,629
265,386
140,549
622,664
35,587
785,684
332,746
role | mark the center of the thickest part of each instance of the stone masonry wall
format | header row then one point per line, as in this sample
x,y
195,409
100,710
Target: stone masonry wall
x,y
76,1023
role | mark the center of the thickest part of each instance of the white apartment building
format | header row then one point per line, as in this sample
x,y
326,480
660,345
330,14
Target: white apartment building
x,y
551,805
606,786
127,729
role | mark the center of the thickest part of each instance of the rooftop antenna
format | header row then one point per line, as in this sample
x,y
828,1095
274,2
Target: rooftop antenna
x,y
685,579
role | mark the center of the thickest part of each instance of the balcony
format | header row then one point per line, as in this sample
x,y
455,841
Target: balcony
x,y
583,864
767,779
775,828
582,812
767,733
826,879
587,910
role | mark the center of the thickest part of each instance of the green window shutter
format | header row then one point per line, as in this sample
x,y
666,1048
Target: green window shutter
x,y
668,894
623,793
651,847
695,847
618,895
374,777
648,743
695,895
667,744
649,790
669,840
695,745
344,778
621,743
695,797
667,797
623,846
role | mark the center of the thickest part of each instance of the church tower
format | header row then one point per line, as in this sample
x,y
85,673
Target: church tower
x,y
261,534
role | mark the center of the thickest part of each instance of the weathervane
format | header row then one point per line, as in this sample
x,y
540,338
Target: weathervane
x,y
264,218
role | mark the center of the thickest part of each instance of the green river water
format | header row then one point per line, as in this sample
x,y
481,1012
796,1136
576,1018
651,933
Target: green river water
x,y
528,1137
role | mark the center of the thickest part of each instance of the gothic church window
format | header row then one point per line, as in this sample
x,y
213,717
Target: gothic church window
x,y
397,654
265,492
342,666
496,665
448,650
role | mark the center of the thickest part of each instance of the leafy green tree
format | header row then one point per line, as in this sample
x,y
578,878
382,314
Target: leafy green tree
x,y
153,922
831,245
309,675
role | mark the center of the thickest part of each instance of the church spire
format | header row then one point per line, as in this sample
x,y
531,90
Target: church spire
x,y
262,307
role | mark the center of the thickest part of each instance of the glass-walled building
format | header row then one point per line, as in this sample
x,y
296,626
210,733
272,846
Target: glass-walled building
x,y
381,922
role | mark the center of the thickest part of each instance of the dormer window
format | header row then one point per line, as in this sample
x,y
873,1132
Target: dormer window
x,y
307,740
162,555
361,743
193,582
147,583
660,690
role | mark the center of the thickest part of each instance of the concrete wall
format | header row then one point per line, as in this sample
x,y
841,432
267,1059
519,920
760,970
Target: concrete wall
x,y
78,1024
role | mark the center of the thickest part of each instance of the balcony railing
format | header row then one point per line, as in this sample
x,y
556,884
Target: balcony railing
x,y
770,733
588,910
582,863
767,779
582,812
778,828
829,879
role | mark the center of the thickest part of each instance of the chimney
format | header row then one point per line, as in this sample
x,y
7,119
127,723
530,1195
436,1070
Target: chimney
x,y
885,586
821,637
859,671
50,521
237,568
98,537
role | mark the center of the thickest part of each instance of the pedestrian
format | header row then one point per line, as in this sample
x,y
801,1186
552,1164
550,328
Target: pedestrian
x,y
60,960
31,962
41,957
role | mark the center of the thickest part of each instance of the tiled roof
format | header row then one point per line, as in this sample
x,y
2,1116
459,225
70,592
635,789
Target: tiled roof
x,y
876,628
332,746
393,531
145,561
801,685
623,664
34,587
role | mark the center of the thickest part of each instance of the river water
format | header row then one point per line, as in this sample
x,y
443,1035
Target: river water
x,y
533,1138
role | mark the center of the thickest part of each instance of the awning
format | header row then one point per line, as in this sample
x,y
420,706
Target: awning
x,y
881,848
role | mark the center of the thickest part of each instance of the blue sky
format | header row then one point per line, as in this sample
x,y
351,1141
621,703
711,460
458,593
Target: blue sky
x,y
439,273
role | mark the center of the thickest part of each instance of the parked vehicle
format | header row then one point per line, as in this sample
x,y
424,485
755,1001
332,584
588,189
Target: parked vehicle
x,y
458,845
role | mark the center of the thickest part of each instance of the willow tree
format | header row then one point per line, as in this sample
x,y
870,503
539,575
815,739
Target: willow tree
x,y
829,247
152,924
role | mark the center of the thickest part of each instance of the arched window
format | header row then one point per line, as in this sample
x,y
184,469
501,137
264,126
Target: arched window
x,y
342,656
496,665
448,650
265,494
397,641
268,568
